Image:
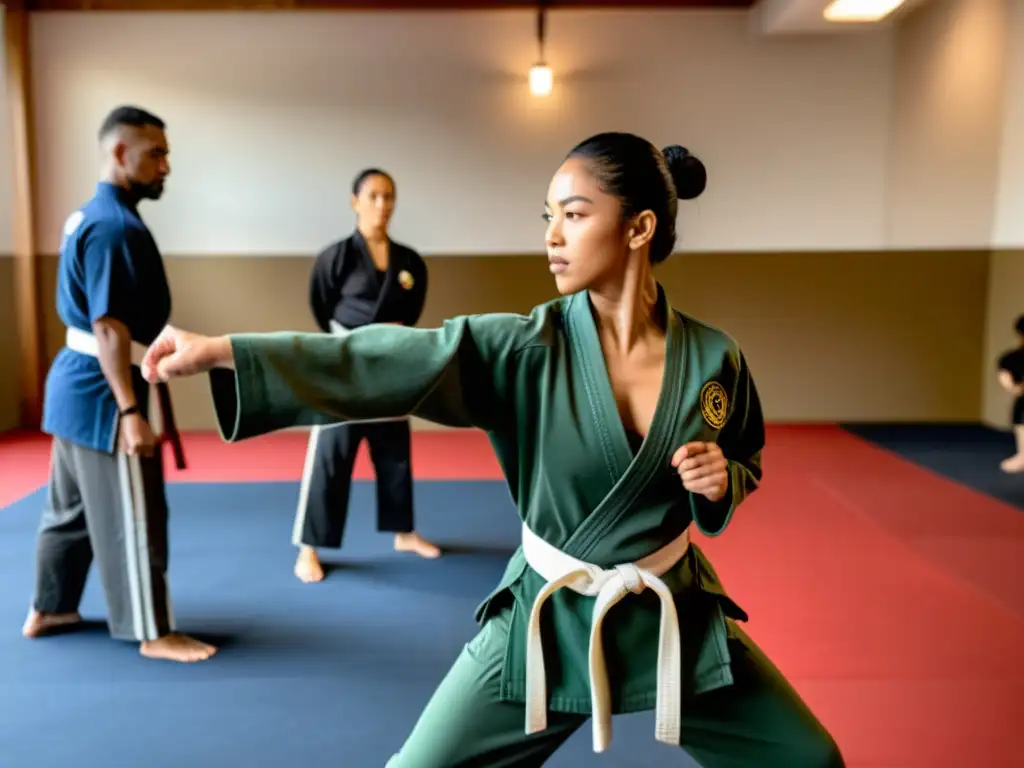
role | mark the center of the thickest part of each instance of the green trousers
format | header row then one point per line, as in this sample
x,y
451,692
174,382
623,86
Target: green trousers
x,y
758,722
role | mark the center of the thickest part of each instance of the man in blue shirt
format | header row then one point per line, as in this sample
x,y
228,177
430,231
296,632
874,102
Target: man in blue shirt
x,y
106,489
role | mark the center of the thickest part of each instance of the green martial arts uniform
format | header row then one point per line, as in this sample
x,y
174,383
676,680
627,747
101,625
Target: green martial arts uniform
x,y
591,505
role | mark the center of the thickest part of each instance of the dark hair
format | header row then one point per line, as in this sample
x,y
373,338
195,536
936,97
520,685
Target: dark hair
x,y
1019,325
357,185
135,117
644,178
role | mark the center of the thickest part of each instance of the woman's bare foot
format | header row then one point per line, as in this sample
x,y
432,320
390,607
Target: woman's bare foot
x,y
1013,464
307,566
176,647
413,542
38,624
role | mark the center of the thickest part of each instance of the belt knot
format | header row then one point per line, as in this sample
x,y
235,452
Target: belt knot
x,y
631,578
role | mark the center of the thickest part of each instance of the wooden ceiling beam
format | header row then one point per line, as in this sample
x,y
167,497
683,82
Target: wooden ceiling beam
x,y
28,317
355,5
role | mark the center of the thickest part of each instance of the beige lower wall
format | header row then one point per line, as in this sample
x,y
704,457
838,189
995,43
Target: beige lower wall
x,y
1005,304
830,336
9,384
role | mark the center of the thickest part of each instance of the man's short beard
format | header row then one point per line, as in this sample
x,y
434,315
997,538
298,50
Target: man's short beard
x,y
142,191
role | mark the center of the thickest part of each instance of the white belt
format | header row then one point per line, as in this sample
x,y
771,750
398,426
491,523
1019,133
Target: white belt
x,y
609,586
338,329
85,343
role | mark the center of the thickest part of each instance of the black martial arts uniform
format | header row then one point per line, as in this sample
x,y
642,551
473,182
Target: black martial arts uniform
x,y
347,291
1013,363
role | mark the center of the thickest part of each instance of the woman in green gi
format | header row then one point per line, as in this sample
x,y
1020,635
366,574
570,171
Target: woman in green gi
x,y
618,421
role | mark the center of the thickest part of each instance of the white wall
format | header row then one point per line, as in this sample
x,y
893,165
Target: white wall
x,y
877,140
270,115
1009,226
6,152
943,171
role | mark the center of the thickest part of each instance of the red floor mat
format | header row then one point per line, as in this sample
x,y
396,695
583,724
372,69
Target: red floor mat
x,y
24,461
442,455
909,651
976,538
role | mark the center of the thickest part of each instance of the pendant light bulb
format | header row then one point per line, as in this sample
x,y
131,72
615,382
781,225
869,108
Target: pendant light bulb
x,y
541,79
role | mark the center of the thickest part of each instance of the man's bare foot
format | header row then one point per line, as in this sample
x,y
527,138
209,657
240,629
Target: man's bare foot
x,y
1013,464
307,566
38,624
176,647
413,542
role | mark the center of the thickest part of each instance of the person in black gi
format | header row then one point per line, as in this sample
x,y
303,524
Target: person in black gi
x,y
365,278
1011,378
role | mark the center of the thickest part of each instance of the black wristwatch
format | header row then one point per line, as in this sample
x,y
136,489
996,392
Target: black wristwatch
x,y
129,410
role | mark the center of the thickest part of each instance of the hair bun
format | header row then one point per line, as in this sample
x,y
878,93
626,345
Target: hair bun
x,y
687,171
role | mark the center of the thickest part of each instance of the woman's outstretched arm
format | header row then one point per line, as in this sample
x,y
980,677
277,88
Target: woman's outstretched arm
x,y
457,375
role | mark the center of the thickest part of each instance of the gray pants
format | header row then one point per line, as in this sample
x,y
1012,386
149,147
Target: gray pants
x,y
112,506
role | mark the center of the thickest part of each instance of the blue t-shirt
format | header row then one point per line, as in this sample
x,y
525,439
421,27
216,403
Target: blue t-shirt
x,y
109,266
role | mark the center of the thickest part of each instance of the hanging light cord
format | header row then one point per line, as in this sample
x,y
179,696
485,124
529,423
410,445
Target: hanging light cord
x,y
541,26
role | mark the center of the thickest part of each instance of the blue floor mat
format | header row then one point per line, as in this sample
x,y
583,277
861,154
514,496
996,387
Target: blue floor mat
x,y
968,454
331,674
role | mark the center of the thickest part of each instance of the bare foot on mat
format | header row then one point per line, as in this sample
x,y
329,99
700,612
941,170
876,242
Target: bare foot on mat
x,y
308,567
413,542
39,624
176,647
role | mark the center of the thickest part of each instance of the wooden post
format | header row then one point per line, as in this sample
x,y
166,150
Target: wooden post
x,y
18,66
